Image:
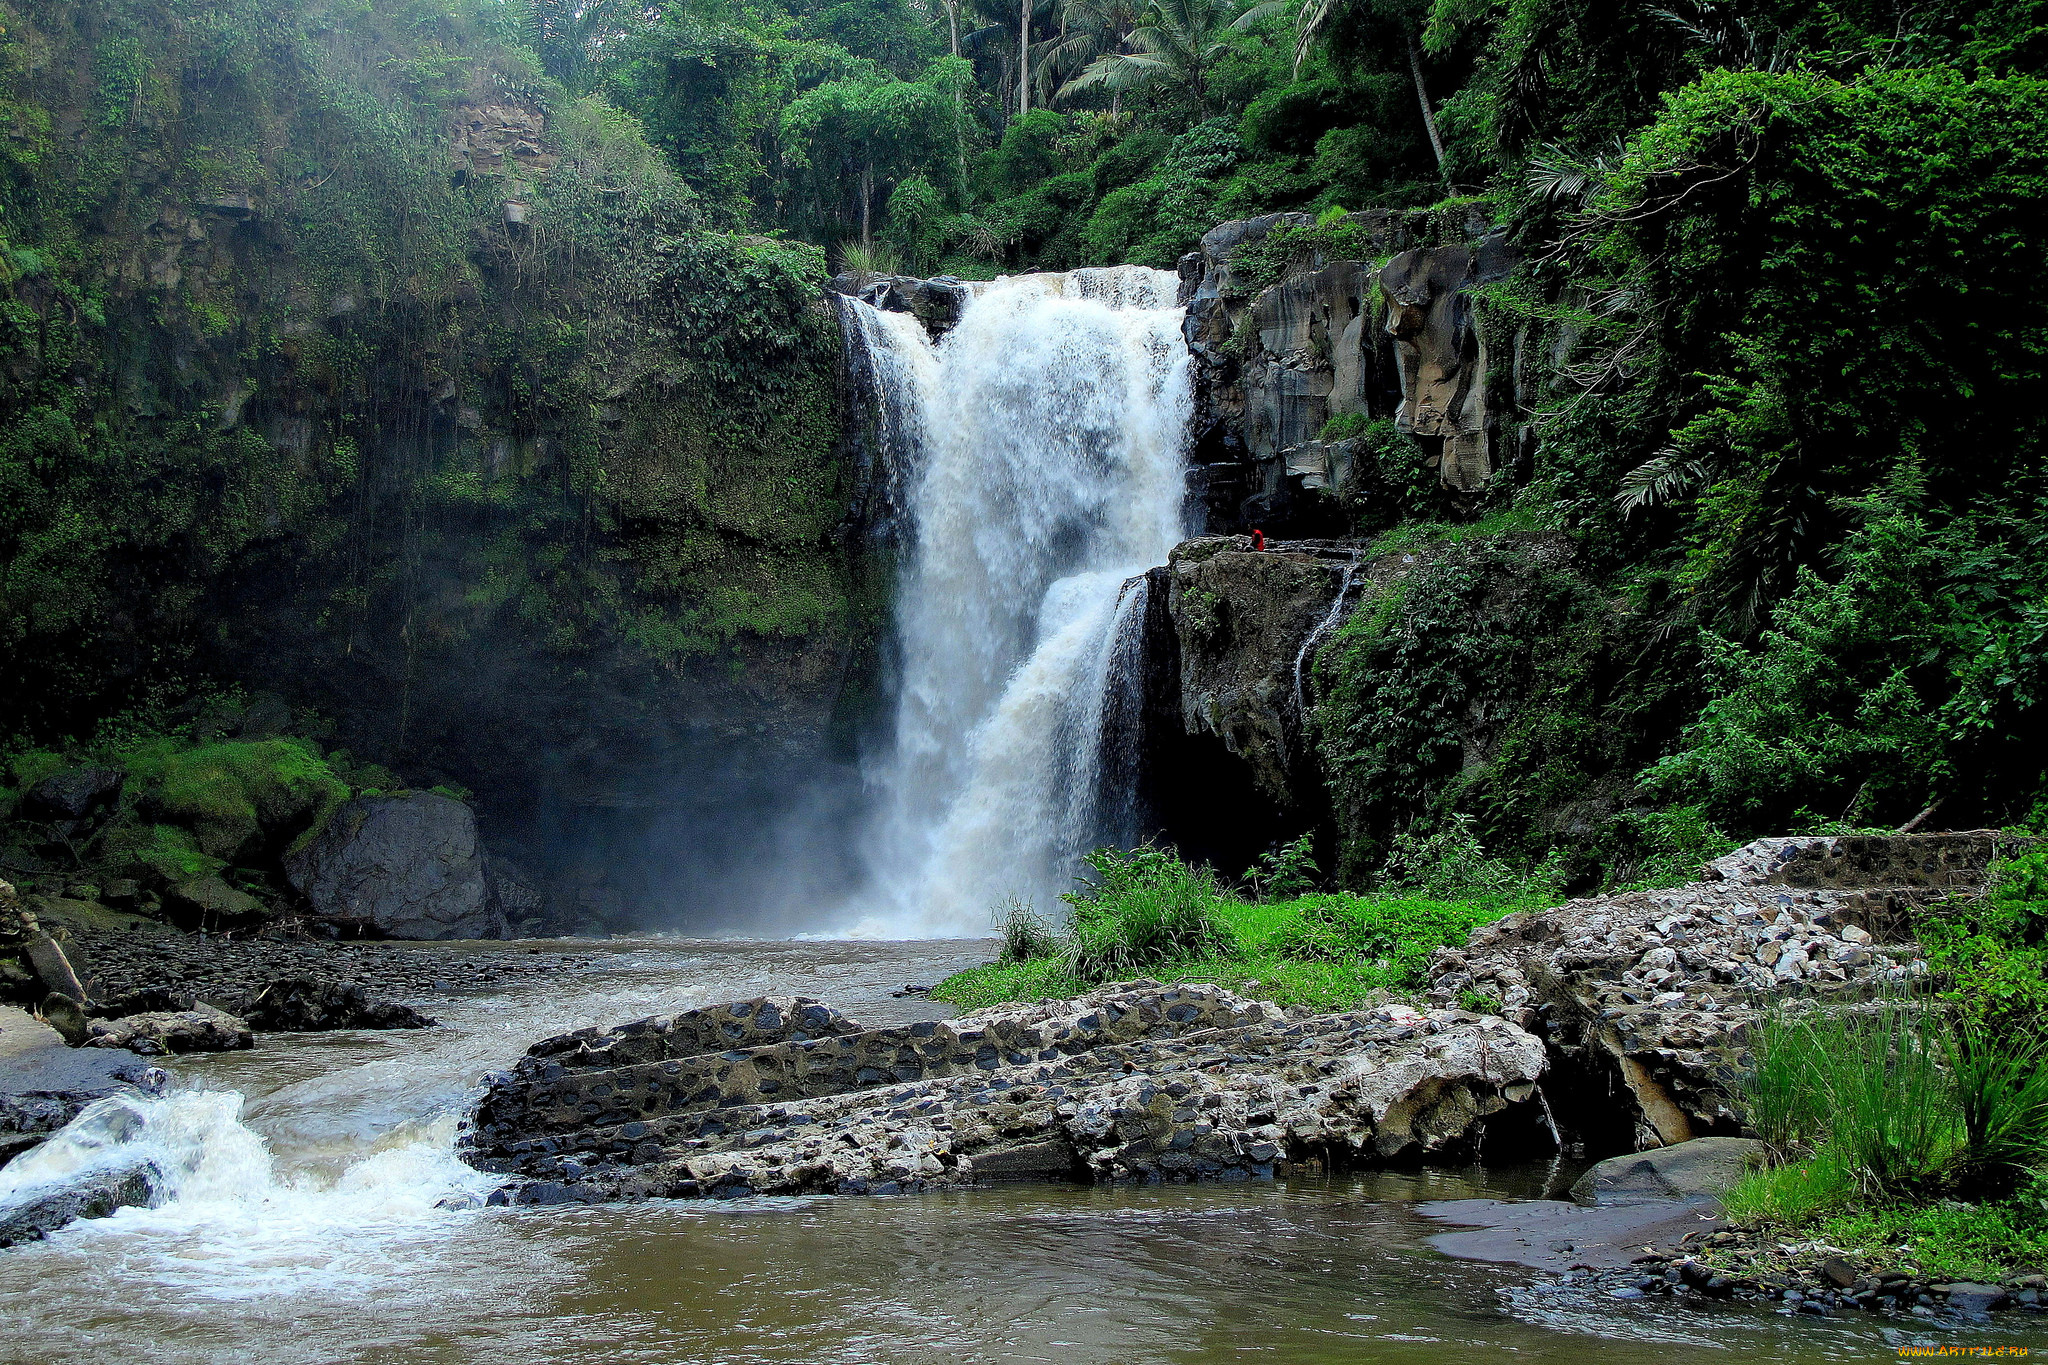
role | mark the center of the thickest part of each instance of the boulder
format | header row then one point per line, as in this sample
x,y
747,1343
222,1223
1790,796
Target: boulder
x,y
73,794
1133,1082
1700,1169
37,1212
304,1004
405,865
199,1029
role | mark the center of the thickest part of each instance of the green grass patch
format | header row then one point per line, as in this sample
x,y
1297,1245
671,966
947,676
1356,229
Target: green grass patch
x,y
1148,913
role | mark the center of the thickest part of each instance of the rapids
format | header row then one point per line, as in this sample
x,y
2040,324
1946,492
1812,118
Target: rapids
x,y
317,1216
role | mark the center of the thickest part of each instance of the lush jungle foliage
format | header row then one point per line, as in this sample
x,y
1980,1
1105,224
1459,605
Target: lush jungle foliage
x,y
315,357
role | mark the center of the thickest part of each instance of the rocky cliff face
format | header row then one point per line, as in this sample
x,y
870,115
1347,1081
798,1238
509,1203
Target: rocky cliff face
x,y
424,402
1393,337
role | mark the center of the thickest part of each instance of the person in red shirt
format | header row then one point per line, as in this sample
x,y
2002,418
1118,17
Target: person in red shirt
x,y
1258,539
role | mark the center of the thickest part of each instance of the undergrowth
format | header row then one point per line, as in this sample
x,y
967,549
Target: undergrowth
x,y
1148,912
1915,1127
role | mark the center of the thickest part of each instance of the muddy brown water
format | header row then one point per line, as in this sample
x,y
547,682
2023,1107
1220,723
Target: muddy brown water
x,y
305,1228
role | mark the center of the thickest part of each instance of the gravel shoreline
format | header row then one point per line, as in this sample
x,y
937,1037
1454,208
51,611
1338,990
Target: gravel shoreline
x,y
229,968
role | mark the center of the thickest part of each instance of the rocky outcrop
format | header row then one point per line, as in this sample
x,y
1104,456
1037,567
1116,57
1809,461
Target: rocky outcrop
x,y
36,1213
1247,625
936,302
1244,622
404,866
1275,361
1651,997
305,1004
199,1029
1441,352
1133,1082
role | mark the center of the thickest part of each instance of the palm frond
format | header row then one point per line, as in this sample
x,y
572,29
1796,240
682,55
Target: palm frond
x,y
1663,477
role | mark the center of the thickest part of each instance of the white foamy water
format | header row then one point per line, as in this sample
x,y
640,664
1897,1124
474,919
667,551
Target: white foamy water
x,y
1043,442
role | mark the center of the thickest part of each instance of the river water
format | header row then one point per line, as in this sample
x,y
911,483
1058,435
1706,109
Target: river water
x,y
307,1230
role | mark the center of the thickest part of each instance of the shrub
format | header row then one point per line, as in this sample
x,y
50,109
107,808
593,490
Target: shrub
x,y
1448,862
1284,872
1145,906
1990,953
1398,932
1025,934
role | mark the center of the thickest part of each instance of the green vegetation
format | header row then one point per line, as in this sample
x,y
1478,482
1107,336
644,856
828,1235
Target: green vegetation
x,y
202,790
1146,912
1919,1123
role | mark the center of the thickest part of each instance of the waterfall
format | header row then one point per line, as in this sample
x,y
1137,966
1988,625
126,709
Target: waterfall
x,y
1044,440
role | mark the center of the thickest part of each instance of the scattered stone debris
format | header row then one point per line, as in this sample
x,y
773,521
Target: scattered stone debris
x,y
1133,1082
1727,1263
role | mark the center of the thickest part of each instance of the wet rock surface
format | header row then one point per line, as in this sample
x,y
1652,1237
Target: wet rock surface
x,y
37,1213
44,1083
199,1029
1653,994
1133,1082
407,866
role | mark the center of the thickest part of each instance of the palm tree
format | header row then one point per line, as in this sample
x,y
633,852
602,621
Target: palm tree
x,y
572,37
1087,30
1309,18
1179,42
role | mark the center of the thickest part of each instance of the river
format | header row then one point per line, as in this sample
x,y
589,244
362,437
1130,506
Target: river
x,y
310,1231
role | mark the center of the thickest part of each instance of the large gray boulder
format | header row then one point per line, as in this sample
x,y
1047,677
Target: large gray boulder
x,y
1703,1168
406,865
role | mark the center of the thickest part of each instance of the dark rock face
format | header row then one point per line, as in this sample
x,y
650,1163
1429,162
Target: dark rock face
x,y
304,1004
73,794
1246,625
407,866
1650,997
1241,621
1135,1081
1329,338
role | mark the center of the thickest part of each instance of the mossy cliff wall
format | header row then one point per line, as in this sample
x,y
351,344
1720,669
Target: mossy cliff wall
x,y
342,354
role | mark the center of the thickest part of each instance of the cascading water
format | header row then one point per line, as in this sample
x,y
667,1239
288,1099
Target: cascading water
x,y
1049,429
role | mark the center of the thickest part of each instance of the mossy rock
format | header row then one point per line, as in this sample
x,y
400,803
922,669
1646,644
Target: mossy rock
x,y
209,903
240,799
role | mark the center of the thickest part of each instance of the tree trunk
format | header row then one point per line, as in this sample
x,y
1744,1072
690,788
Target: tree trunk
x,y
1436,143
1023,58
953,22
867,201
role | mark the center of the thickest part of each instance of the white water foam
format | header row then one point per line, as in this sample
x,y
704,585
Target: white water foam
x,y
1049,432
217,1183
